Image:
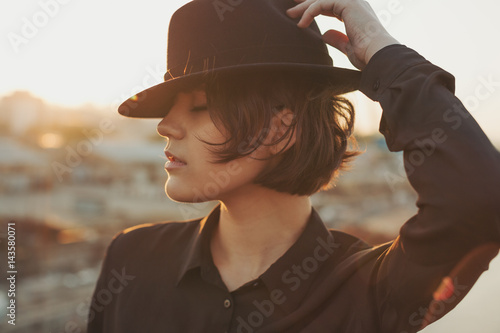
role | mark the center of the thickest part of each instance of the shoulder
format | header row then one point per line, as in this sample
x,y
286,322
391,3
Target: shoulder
x,y
153,238
161,230
352,245
347,240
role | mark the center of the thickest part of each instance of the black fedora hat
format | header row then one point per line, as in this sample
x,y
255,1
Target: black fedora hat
x,y
214,36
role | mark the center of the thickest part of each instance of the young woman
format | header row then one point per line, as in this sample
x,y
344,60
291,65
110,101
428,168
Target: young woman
x,y
251,111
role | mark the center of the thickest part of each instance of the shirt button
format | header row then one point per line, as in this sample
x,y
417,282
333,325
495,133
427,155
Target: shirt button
x,y
227,303
255,284
376,85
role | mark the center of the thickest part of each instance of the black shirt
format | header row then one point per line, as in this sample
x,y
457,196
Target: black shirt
x,y
161,277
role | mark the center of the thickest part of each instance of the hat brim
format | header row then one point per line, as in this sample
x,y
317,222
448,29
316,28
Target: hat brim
x,y
156,101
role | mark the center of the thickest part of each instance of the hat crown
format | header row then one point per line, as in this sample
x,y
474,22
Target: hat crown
x,y
236,36
211,34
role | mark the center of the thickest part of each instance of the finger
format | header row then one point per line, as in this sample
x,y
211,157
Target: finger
x,y
315,9
299,9
336,39
309,14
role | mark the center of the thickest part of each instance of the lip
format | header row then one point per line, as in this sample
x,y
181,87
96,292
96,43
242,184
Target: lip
x,y
173,162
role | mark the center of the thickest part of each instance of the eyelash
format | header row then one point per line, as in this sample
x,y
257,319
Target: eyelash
x,y
199,108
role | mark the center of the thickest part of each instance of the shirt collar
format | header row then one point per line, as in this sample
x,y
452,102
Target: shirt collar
x,y
291,275
197,252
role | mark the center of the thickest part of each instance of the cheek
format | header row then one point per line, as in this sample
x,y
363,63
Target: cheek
x,y
223,180
206,181
202,180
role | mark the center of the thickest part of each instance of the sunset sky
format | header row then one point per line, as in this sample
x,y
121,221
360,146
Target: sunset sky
x,y
101,52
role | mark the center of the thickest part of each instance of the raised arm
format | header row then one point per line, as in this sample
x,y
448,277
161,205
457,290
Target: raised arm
x,y
449,161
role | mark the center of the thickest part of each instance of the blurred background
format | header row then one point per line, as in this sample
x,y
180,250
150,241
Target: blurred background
x,y
73,173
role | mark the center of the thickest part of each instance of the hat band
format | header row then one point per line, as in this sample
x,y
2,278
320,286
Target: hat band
x,y
253,56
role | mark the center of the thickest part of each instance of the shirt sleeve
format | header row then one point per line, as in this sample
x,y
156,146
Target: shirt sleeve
x,y
455,170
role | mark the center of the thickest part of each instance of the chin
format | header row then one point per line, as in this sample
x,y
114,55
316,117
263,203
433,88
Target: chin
x,y
180,195
180,192
177,194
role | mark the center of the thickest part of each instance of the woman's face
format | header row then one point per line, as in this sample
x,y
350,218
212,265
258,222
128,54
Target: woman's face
x,y
192,175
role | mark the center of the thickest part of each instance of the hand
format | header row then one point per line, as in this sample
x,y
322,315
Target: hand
x,y
365,34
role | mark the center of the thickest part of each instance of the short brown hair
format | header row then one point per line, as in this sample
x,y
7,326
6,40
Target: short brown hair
x,y
323,121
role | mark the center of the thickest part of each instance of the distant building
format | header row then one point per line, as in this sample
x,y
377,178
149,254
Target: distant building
x,y
22,168
21,111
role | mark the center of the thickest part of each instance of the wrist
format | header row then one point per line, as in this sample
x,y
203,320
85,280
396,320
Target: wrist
x,y
378,45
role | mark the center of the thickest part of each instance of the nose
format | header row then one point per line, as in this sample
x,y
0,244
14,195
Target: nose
x,y
171,126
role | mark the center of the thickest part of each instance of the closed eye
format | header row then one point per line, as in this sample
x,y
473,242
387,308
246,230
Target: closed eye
x,y
199,108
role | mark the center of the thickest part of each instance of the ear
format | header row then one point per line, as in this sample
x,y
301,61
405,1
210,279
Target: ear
x,y
282,129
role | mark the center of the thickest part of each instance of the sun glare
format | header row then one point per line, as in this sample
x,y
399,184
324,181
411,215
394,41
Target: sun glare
x,y
50,140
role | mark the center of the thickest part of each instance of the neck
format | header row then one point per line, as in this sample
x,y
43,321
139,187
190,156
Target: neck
x,y
254,230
